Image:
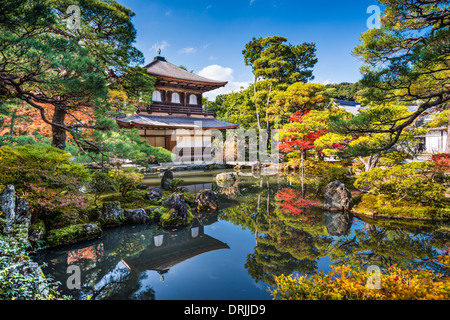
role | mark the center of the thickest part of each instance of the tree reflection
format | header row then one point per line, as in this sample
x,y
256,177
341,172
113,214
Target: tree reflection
x,y
292,233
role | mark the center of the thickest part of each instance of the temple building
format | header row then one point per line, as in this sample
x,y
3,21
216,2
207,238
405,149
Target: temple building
x,y
177,104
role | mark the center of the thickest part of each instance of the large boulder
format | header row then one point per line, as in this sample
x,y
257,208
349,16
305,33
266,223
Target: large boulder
x,y
137,216
154,194
206,200
73,234
37,232
337,196
226,176
178,211
165,183
111,214
16,214
8,204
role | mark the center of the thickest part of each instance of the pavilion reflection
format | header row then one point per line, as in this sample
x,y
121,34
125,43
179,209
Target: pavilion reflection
x,y
169,250
112,265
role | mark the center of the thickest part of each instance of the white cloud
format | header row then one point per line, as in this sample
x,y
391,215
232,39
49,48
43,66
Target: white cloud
x,y
232,86
159,45
217,72
187,50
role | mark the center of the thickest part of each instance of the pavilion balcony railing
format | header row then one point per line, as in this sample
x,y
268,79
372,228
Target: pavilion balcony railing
x,y
170,109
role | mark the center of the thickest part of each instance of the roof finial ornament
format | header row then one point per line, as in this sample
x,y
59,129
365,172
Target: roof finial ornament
x,y
159,51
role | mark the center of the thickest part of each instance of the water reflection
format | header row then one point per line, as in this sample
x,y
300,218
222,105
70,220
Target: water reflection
x,y
338,223
289,233
114,266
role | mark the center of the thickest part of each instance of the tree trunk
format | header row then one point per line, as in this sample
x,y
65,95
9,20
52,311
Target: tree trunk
x,y
256,106
267,117
59,134
447,147
371,162
13,119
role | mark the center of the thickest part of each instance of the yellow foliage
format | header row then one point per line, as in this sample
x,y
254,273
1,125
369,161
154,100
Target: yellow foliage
x,y
348,283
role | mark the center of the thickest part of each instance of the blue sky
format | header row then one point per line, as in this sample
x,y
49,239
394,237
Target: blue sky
x,y
208,36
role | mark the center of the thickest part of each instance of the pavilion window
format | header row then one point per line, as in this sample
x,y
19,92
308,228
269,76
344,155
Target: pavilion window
x,y
193,99
156,96
175,98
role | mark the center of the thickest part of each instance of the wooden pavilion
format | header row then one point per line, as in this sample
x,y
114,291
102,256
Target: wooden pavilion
x,y
177,104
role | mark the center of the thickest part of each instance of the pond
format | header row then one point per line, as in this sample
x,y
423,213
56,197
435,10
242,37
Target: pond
x,y
267,225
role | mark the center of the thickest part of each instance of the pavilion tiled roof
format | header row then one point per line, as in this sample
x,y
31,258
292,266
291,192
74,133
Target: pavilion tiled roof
x,y
160,67
176,122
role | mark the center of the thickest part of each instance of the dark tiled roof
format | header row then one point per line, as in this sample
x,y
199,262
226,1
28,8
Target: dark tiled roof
x,y
160,67
348,103
177,122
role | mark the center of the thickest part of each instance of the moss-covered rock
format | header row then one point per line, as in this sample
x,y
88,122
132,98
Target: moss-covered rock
x,y
175,211
37,232
112,214
206,200
73,234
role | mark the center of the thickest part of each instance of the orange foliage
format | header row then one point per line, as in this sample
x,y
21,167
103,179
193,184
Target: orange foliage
x,y
35,124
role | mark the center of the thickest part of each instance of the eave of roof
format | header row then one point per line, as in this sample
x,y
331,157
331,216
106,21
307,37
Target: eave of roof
x,y
159,67
175,122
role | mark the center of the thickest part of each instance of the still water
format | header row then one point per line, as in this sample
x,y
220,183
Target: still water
x,y
267,225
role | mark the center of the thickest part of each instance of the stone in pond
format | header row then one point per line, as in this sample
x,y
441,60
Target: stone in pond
x,y
206,200
136,216
226,176
178,209
111,213
154,194
165,184
337,196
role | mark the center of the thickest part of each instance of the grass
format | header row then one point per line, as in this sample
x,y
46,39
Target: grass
x,y
133,200
382,205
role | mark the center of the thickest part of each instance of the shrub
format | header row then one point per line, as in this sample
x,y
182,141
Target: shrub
x,y
127,179
382,205
101,183
20,278
348,283
43,175
411,182
442,162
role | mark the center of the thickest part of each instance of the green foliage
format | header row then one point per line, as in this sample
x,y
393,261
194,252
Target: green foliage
x,y
21,140
71,234
394,158
291,63
127,179
43,175
15,283
407,58
412,182
344,91
167,219
382,205
235,107
119,144
72,68
101,183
